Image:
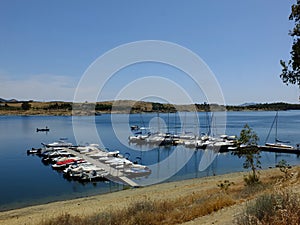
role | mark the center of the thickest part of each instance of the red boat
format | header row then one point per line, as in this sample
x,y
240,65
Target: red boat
x,y
65,163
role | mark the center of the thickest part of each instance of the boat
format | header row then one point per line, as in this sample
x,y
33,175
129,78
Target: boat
x,y
278,145
60,143
140,136
134,127
63,164
42,129
93,176
77,171
134,172
34,151
49,156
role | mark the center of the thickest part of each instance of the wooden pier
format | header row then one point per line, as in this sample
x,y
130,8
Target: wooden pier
x,y
114,174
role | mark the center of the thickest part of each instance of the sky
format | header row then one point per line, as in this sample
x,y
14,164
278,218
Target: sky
x,y
47,47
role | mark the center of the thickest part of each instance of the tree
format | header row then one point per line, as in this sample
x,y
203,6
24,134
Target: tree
x,y
248,149
26,106
291,69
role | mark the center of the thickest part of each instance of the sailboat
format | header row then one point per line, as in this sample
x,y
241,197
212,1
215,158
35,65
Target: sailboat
x,y
278,145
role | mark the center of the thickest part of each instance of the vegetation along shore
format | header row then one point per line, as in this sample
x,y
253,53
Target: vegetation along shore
x,y
60,108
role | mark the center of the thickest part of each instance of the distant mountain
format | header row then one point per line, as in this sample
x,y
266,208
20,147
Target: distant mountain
x,y
248,104
11,100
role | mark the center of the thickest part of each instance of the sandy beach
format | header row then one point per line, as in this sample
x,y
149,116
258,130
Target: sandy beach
x,y
118,200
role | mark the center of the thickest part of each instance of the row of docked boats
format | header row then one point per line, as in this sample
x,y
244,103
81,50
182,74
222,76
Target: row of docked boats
x,y
88,163
224,142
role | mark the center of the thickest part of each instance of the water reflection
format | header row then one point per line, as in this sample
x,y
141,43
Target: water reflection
x,y
26,181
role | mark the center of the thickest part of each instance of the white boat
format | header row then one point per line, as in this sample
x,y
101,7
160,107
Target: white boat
x,y
60,143
277,145
93,176
97,155
117,161
155,139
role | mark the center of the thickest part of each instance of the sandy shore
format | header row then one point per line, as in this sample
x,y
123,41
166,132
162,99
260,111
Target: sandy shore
x,y
90,205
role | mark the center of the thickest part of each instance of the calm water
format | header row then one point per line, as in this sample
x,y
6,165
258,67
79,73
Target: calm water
x,y
26,181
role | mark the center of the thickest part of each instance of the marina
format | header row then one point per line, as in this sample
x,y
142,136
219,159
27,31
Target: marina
x,y
26,180
102,164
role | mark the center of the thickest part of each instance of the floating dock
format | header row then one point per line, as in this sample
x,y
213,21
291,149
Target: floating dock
x,y
114,174
280,150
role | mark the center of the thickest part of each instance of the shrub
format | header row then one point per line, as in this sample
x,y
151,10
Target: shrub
x,y
282,208
284,168
224,185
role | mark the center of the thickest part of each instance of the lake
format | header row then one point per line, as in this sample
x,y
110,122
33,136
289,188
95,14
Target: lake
x,y
25,180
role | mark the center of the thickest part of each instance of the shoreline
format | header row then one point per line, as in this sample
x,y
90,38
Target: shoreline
x,y
117,200
61,108
69,113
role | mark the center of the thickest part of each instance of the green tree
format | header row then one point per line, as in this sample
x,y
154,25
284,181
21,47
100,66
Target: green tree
x,y
248,149
25,106
291,69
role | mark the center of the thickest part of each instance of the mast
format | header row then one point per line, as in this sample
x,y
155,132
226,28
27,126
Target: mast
x,y
168,129
158,122
276,122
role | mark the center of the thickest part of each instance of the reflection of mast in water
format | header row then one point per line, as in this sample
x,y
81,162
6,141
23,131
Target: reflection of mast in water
x,y
168,166
175,123
158,162
196,163
158,122
212,166
168,128
142,121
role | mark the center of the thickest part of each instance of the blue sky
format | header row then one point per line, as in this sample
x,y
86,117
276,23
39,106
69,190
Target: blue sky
x,y
46,46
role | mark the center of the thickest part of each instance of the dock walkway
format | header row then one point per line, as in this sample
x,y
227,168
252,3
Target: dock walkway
x,y
114,174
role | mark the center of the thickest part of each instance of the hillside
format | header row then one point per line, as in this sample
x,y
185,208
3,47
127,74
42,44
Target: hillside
x,y
14,107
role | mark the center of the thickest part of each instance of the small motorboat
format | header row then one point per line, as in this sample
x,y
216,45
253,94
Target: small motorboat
x,y
93,176
60,143
67,162
34,151
42,129
135,127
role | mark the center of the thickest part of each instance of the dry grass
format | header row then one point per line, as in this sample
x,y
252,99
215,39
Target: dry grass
x,y
194,205
277,205
153,211
281,208
194,202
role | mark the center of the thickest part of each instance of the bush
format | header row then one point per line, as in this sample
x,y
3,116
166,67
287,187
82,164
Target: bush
x,y
251,179
282,208
25,106
284,168
225,185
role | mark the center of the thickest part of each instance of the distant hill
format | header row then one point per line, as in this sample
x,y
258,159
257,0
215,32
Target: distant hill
x,y
11,100
14,107
248,104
